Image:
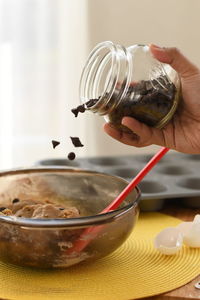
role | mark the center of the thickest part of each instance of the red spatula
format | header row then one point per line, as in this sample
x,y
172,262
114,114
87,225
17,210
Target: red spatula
x,y
81,243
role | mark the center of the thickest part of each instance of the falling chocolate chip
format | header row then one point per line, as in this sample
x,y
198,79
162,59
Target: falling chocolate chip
x,y
15,200
80,108
75,111
2,208
55,143
76,142
71,156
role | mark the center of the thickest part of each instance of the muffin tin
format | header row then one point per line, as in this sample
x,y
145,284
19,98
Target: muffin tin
x,y
175,176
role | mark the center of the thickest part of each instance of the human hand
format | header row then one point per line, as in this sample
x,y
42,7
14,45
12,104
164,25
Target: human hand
x,y
182,133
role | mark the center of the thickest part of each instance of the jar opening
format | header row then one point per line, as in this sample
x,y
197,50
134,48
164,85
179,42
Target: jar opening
x,y
107,65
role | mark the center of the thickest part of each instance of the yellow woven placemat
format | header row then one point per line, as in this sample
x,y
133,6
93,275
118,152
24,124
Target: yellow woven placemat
x,y
133,271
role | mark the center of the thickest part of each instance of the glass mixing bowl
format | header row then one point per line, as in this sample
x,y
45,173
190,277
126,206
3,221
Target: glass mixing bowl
x,y
46,243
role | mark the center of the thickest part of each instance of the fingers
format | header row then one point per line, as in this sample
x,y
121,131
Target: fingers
x,y
145,133
125,138
142,135
176,59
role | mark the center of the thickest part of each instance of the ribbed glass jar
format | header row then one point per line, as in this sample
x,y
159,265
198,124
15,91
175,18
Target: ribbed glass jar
x,y
118,81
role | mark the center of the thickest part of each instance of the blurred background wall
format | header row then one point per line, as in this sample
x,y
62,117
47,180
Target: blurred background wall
x,y
43,47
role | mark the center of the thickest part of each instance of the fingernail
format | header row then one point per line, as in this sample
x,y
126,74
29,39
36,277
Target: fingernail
x,y
123,120
155,46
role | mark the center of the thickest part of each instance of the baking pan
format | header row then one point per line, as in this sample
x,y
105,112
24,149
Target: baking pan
x,y
175,176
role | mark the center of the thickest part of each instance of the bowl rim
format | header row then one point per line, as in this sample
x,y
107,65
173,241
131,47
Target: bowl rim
x,y
69,222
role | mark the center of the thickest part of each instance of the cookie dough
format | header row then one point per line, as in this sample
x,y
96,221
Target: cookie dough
x,y
39,210
35,197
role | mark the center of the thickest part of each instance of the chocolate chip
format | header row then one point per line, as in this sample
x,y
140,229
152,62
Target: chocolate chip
x,y
61,208
80,108
76,142
71,156
75,111
91,102
55,143
2,208
15,200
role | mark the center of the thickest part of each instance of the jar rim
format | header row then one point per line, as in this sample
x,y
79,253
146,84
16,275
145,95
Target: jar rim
x,y
89,82
85,79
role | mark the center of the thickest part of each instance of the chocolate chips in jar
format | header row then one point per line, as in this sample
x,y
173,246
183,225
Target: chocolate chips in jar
x,y
148,102
145,103
118,81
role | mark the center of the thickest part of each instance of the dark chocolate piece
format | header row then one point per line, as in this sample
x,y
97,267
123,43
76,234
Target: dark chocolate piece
x,y
2,208
55,143
80,108
76,142
91,102
75,111
15,200
71,156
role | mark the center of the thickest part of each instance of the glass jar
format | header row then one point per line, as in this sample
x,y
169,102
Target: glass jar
x,y
118,81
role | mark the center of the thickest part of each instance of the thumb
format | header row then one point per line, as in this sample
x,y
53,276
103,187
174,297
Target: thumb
x,y
175,59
